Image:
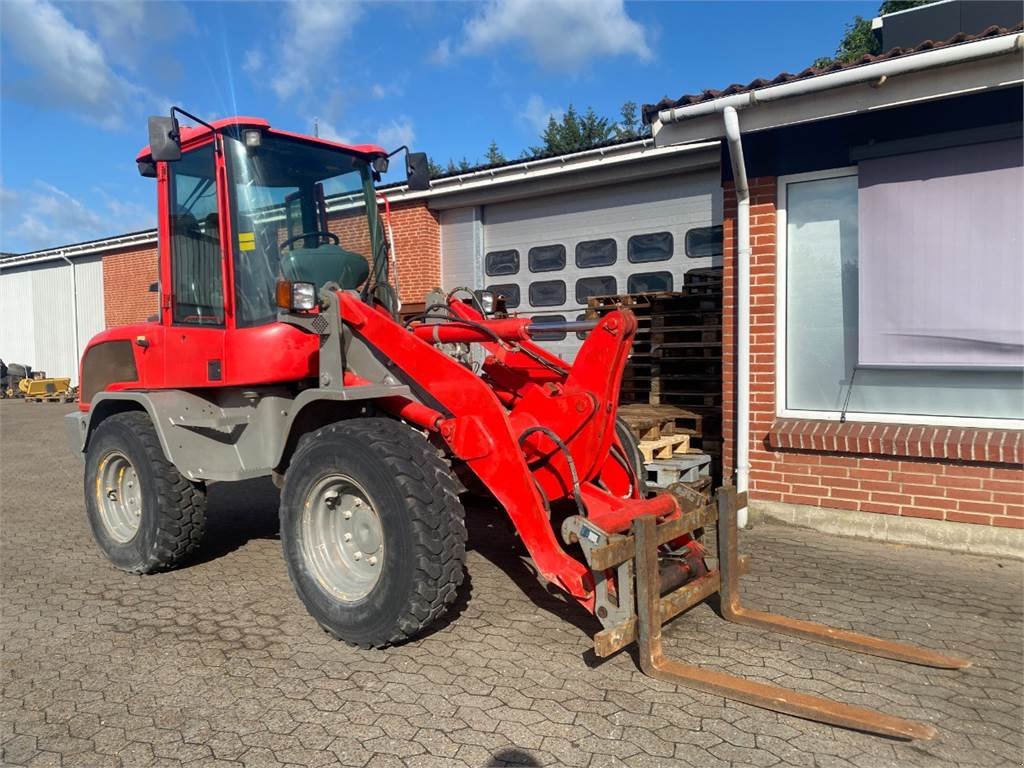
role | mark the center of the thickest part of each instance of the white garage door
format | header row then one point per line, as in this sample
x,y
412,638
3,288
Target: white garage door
x,y
548,254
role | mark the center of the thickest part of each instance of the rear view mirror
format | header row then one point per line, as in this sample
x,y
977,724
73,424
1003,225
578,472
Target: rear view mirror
x,y
164,139
417,169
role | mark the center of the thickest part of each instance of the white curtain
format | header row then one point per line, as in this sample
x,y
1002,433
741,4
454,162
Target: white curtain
x,y
942,258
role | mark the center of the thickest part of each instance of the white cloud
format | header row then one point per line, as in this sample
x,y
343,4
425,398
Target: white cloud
x,y
327,131
45,216
537,112
559,34
67,67
396,133
253,62
442,54
311,31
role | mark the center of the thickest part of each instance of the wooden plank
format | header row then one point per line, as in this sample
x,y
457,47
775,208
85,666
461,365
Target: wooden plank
x,y
664,447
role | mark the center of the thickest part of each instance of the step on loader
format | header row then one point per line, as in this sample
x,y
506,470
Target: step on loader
x,y
278,351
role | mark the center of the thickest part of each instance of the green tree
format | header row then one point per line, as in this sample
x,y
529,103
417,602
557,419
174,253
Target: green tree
x,y
573,133
435,169
494,156
629,127
460,167
859,39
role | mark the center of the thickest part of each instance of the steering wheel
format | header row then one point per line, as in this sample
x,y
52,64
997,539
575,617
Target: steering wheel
x,y
314,233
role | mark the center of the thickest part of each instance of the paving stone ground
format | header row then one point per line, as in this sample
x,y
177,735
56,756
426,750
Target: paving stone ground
x,y
217,664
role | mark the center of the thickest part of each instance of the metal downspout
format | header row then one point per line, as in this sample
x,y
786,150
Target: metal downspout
x,y
74,309
739,174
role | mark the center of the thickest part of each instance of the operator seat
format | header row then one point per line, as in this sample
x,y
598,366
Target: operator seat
x,y
324,264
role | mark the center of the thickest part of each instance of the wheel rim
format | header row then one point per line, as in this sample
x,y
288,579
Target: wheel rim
x,y
342,538
119,497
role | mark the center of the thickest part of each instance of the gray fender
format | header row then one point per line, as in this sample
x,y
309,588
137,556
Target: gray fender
x,y
222,435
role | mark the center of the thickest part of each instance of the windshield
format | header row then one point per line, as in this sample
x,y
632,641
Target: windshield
x,y
299,212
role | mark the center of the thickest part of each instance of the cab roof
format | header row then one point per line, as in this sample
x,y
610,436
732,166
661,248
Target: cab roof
x,y
191,135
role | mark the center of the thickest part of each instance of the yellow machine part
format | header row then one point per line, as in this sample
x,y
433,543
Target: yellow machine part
x,y
44,387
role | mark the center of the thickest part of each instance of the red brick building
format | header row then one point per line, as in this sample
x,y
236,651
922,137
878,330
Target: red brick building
x,y
886,387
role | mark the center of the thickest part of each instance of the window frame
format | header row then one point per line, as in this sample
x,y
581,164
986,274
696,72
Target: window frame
x,y
226,255
631,238
686,242
576,287
781,265
529,258
615,255
565,293
488,273
671,285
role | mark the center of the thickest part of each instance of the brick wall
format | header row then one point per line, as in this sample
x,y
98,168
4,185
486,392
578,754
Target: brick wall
x,y
941,473
417,233
127,275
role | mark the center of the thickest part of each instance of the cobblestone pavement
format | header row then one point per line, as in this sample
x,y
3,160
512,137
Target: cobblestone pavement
x,y
218,664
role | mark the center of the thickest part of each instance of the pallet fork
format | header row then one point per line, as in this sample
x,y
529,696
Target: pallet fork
x,y
635,557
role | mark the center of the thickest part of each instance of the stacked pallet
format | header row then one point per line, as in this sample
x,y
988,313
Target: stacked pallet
x,y
666,436
677,354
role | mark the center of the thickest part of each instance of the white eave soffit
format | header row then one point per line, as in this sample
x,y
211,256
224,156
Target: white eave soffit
x,y
914,87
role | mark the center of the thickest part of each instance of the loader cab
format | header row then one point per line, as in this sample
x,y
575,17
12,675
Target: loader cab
x,y
248,206
243,208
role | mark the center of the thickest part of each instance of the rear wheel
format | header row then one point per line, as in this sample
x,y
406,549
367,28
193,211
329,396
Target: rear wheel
x,y
373,530
145,515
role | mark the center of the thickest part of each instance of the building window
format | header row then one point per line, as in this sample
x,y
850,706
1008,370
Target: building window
x,y
546,258
547,293
596,253
704,242
829,222
508,291
501,263
548,335
657,246
649,282
595,286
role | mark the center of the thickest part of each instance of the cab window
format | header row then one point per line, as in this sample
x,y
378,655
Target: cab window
x,y
196,280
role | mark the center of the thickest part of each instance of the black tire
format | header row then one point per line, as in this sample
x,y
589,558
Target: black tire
x,y
633,455
172,509
422,522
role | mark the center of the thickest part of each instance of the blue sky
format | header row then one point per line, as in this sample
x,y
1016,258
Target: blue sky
x,y
79,79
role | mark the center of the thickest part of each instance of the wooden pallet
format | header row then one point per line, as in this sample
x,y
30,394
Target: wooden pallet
x,y
664,447
51,399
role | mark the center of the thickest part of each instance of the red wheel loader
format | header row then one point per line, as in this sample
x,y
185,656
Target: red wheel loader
x,y
278,352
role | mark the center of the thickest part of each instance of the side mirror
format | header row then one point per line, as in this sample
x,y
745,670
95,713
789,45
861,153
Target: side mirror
x,y
164,139
417,169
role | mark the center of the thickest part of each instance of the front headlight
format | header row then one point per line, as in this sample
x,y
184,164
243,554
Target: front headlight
x,y
487,301
298,297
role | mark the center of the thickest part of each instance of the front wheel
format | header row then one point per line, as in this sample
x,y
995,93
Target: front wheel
x,y
373,530
144,514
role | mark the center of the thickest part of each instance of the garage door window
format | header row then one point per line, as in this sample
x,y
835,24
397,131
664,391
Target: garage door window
x,y
596,253
548,335
595,286
501,263
657,246
702,242
546,258
508,291
547,293
649,282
